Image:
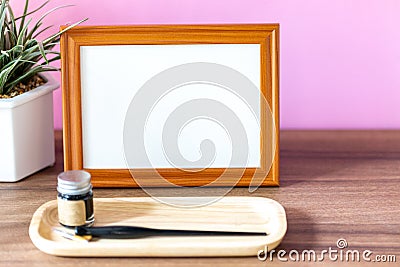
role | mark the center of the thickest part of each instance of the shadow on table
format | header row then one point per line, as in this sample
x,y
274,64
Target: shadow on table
x,y
300,233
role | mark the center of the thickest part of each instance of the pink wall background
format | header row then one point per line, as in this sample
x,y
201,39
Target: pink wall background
x,y
340,59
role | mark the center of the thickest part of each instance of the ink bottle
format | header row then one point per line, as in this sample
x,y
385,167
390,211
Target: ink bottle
x,y
75,199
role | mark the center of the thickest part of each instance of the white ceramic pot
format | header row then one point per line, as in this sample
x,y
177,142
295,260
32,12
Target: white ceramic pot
x,y
27,132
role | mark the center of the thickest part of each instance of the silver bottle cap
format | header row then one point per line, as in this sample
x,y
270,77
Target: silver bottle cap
x,y
74,182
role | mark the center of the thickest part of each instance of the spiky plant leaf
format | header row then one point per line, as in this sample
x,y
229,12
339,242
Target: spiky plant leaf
x,y
5,72
42,51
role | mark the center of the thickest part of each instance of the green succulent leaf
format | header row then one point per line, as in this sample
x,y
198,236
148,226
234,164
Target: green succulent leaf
x,y
5,72
43,52
41,31
23,18
2,21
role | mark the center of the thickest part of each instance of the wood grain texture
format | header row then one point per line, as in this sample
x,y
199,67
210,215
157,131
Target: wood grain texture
x,y
267,35
334,184
233,214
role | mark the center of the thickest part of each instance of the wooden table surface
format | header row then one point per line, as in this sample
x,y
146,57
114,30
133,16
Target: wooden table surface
x,y
334,184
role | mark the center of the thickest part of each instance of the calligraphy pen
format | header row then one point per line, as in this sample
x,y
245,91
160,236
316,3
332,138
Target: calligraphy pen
x,y
83,233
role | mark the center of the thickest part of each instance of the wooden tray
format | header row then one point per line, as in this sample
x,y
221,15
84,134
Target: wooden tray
x,y
230,213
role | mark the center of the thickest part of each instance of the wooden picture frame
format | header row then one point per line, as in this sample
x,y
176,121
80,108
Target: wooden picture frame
x,y
265,35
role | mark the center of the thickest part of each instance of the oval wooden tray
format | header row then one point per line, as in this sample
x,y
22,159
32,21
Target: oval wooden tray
x,y
228,214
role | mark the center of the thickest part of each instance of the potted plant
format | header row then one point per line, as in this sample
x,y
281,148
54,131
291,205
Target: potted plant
x,y
26,99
